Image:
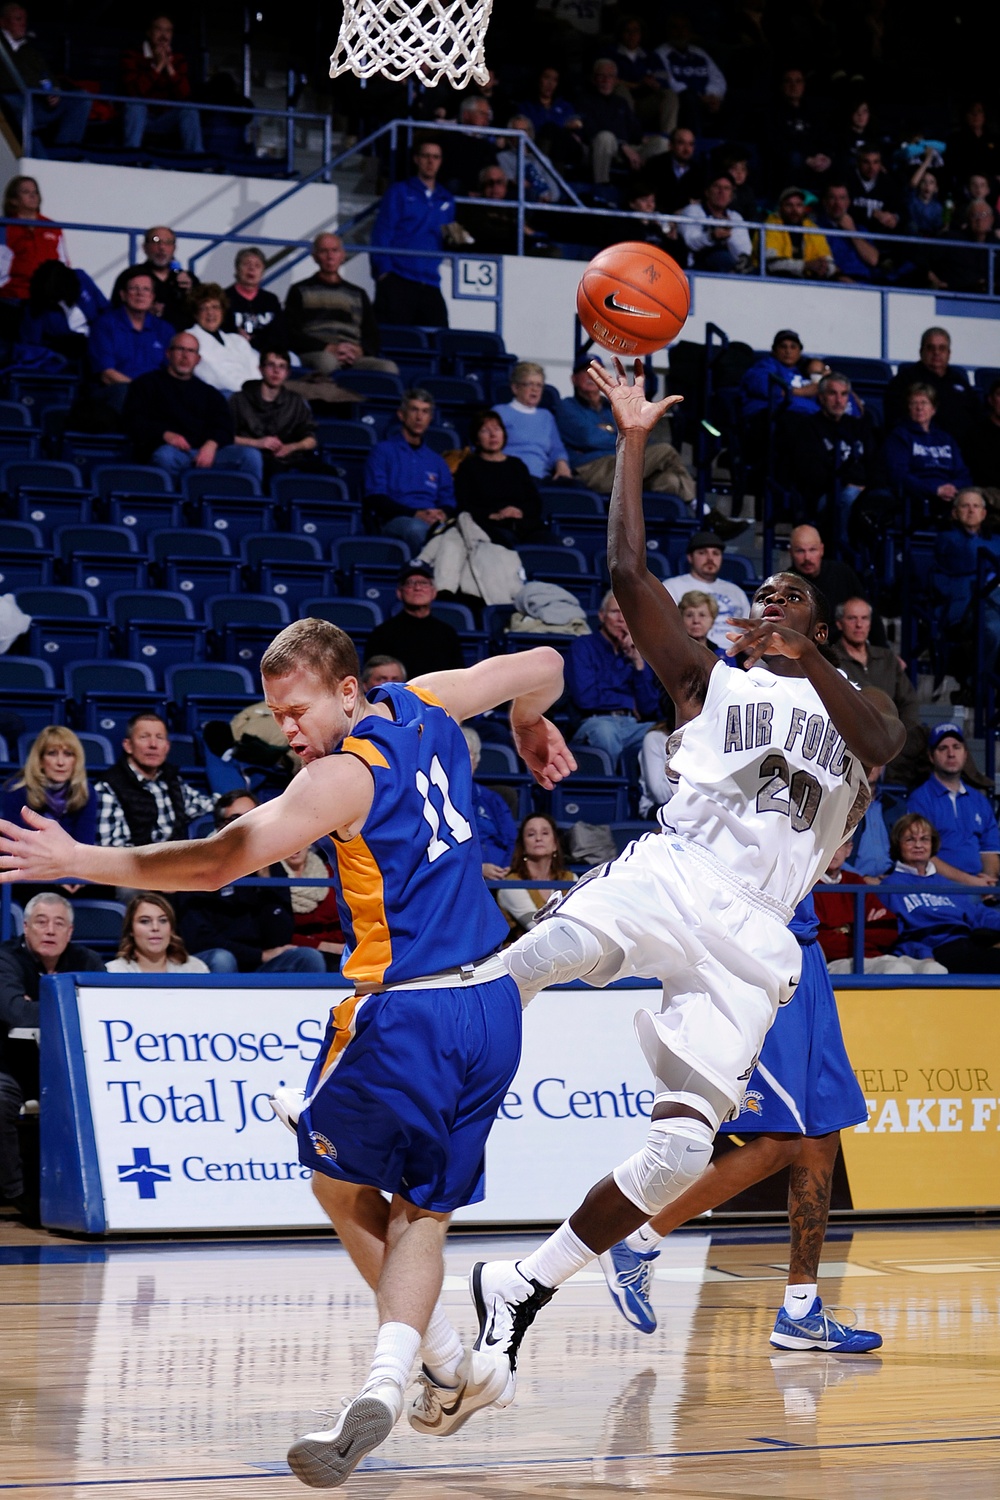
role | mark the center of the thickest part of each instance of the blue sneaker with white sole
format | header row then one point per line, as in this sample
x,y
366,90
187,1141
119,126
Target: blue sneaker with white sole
x,y
629,1274
818,1330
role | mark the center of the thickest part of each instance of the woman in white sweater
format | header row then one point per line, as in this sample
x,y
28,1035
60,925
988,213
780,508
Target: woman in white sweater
x,y
150,943
538,855
227,359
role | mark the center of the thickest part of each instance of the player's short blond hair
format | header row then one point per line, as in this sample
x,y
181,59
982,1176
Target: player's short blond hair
x,y
317,645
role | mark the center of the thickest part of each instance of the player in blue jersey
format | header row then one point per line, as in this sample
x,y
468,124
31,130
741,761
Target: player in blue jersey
x,y
417,1061
802,1093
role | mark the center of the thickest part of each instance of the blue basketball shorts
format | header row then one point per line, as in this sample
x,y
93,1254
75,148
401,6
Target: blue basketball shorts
x,y
406,1089
803,1083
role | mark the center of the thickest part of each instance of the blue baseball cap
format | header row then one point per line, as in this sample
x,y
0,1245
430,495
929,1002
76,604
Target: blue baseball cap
x,y
941,732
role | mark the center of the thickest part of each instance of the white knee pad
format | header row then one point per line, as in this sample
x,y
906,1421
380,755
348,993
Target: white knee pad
x,y
676,1152
555,952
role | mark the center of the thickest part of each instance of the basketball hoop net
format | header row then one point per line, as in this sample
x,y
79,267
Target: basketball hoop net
x,y
394,38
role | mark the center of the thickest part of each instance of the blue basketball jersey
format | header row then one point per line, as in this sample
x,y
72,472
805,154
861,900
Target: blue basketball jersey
x,y
410,884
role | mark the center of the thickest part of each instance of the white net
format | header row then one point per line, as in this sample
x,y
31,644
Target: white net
x,y
435,38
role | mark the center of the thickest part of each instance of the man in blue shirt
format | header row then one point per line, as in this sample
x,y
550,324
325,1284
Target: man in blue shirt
x,y
970,839
783,364
494,820
588,430
128,340
612,687
412,216
407,485
856,259
532,434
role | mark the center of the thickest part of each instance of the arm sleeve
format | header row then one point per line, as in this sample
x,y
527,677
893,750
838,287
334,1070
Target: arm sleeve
x,y
961,470
101,350
15,1008
989,839
583,679
739,240
112,830
376,481
694,235
574,429
647,692
301,341
85,831
556,449
519,906
446,490
716,79
218,421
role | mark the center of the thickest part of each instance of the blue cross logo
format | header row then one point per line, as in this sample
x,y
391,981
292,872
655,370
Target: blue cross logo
x,y
143,1172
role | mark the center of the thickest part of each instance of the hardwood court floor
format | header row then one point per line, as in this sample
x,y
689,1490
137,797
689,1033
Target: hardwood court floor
x,y
182,1371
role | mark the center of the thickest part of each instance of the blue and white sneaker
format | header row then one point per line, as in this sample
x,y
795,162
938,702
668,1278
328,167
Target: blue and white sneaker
x,y
817,1330
629,1274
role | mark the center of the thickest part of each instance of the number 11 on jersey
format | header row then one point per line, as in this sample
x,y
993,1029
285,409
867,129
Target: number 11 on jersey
x,y
458,826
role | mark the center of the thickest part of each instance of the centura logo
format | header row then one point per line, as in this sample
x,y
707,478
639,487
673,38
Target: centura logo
x,y
144,1172
322,1146
611,302
753,1102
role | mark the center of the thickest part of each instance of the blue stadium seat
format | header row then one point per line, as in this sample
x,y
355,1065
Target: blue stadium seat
x,y
377,386
148,604
98,925
344,437
18,446
21,536
739,570
592,762
540,562
589,803
378,556
498,760
410,349
458,616
212,690
23,568
243,626
57,603
356,617
198,482
51,509
985,376
200,577
63,638
94,541
296,489
90,449
44,474
278,547
562,500
496,618
128,479
30,684
325,523
145,513
190,542
162,644
39,392
107,693
378,591
466,351
237,516
294,581
588,534
14,415
862,372
453,392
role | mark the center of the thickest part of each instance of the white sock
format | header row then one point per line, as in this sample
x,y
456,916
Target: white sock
x,y
395,1351
799,1299
644,1239
557,1258
441,1350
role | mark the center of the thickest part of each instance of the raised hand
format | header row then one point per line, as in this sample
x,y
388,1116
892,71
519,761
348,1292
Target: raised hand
x,y
41,851
758,638
544,751
632,410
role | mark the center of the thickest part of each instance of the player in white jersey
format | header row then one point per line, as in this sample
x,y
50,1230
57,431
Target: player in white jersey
x,y
769,774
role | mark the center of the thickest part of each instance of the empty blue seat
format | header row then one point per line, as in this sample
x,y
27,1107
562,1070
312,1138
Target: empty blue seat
x,y
295,489
64,638
356,617
14,415
561,500
278,547
128,479
591,803
343,437
198,482
148,604
29,685
162,643
94,541
237,516
543,562
57,603
107,693
21,536
98,925
985,376
499,760
377,555
189,542
50,509
740,570
102,575
145,513
209,691
243,626
452,391
17,446
592,762
39,392
325,523
90,449
200,577
374,385
23,569
45,474
294,581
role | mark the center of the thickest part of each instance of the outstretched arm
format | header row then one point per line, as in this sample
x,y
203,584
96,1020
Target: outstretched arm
x,y
530,681
331,793
651,615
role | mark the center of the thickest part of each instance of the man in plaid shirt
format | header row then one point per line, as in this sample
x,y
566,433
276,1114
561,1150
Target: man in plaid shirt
x,y
141,799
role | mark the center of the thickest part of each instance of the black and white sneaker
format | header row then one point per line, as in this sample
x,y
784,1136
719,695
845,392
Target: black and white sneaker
x,y
506,1303
288,1104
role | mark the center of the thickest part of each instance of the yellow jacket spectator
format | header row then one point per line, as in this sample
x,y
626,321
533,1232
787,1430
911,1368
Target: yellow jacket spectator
x,y
790,252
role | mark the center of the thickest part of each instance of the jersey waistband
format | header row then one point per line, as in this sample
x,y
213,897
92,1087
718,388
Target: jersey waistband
x,y
751,894
466,975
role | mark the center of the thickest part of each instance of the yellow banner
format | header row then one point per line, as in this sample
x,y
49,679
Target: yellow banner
x,y
928,1062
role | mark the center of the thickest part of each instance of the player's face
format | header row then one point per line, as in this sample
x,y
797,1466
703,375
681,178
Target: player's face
x,y
312,716
706,562
784,599
949,756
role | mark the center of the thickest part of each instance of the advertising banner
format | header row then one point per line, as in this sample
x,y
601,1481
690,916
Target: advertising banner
x,y
928,1062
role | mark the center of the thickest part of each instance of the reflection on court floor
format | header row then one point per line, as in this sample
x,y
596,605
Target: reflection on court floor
x,y
184,1370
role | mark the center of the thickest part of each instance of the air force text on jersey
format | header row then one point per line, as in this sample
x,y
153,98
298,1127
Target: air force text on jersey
x,y
751,726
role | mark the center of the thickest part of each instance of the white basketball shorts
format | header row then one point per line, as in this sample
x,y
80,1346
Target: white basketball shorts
x,y
721,949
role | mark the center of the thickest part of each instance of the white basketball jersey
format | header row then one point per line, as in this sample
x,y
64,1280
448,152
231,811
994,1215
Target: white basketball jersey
x,y
764,781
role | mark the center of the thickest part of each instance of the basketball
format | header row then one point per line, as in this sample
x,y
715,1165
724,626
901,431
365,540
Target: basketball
x,y
633,298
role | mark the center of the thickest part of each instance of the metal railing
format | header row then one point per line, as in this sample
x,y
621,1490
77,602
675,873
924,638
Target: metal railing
x,y
895,884
249,113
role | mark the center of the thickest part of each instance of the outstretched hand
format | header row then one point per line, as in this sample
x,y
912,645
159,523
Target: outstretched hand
x,y
632,410
755,639
544,752
41,851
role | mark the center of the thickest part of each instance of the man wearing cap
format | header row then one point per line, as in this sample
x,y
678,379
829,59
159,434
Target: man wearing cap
x,y
970,839
413,635
783,365
407,486
705,559
588,430
788,251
